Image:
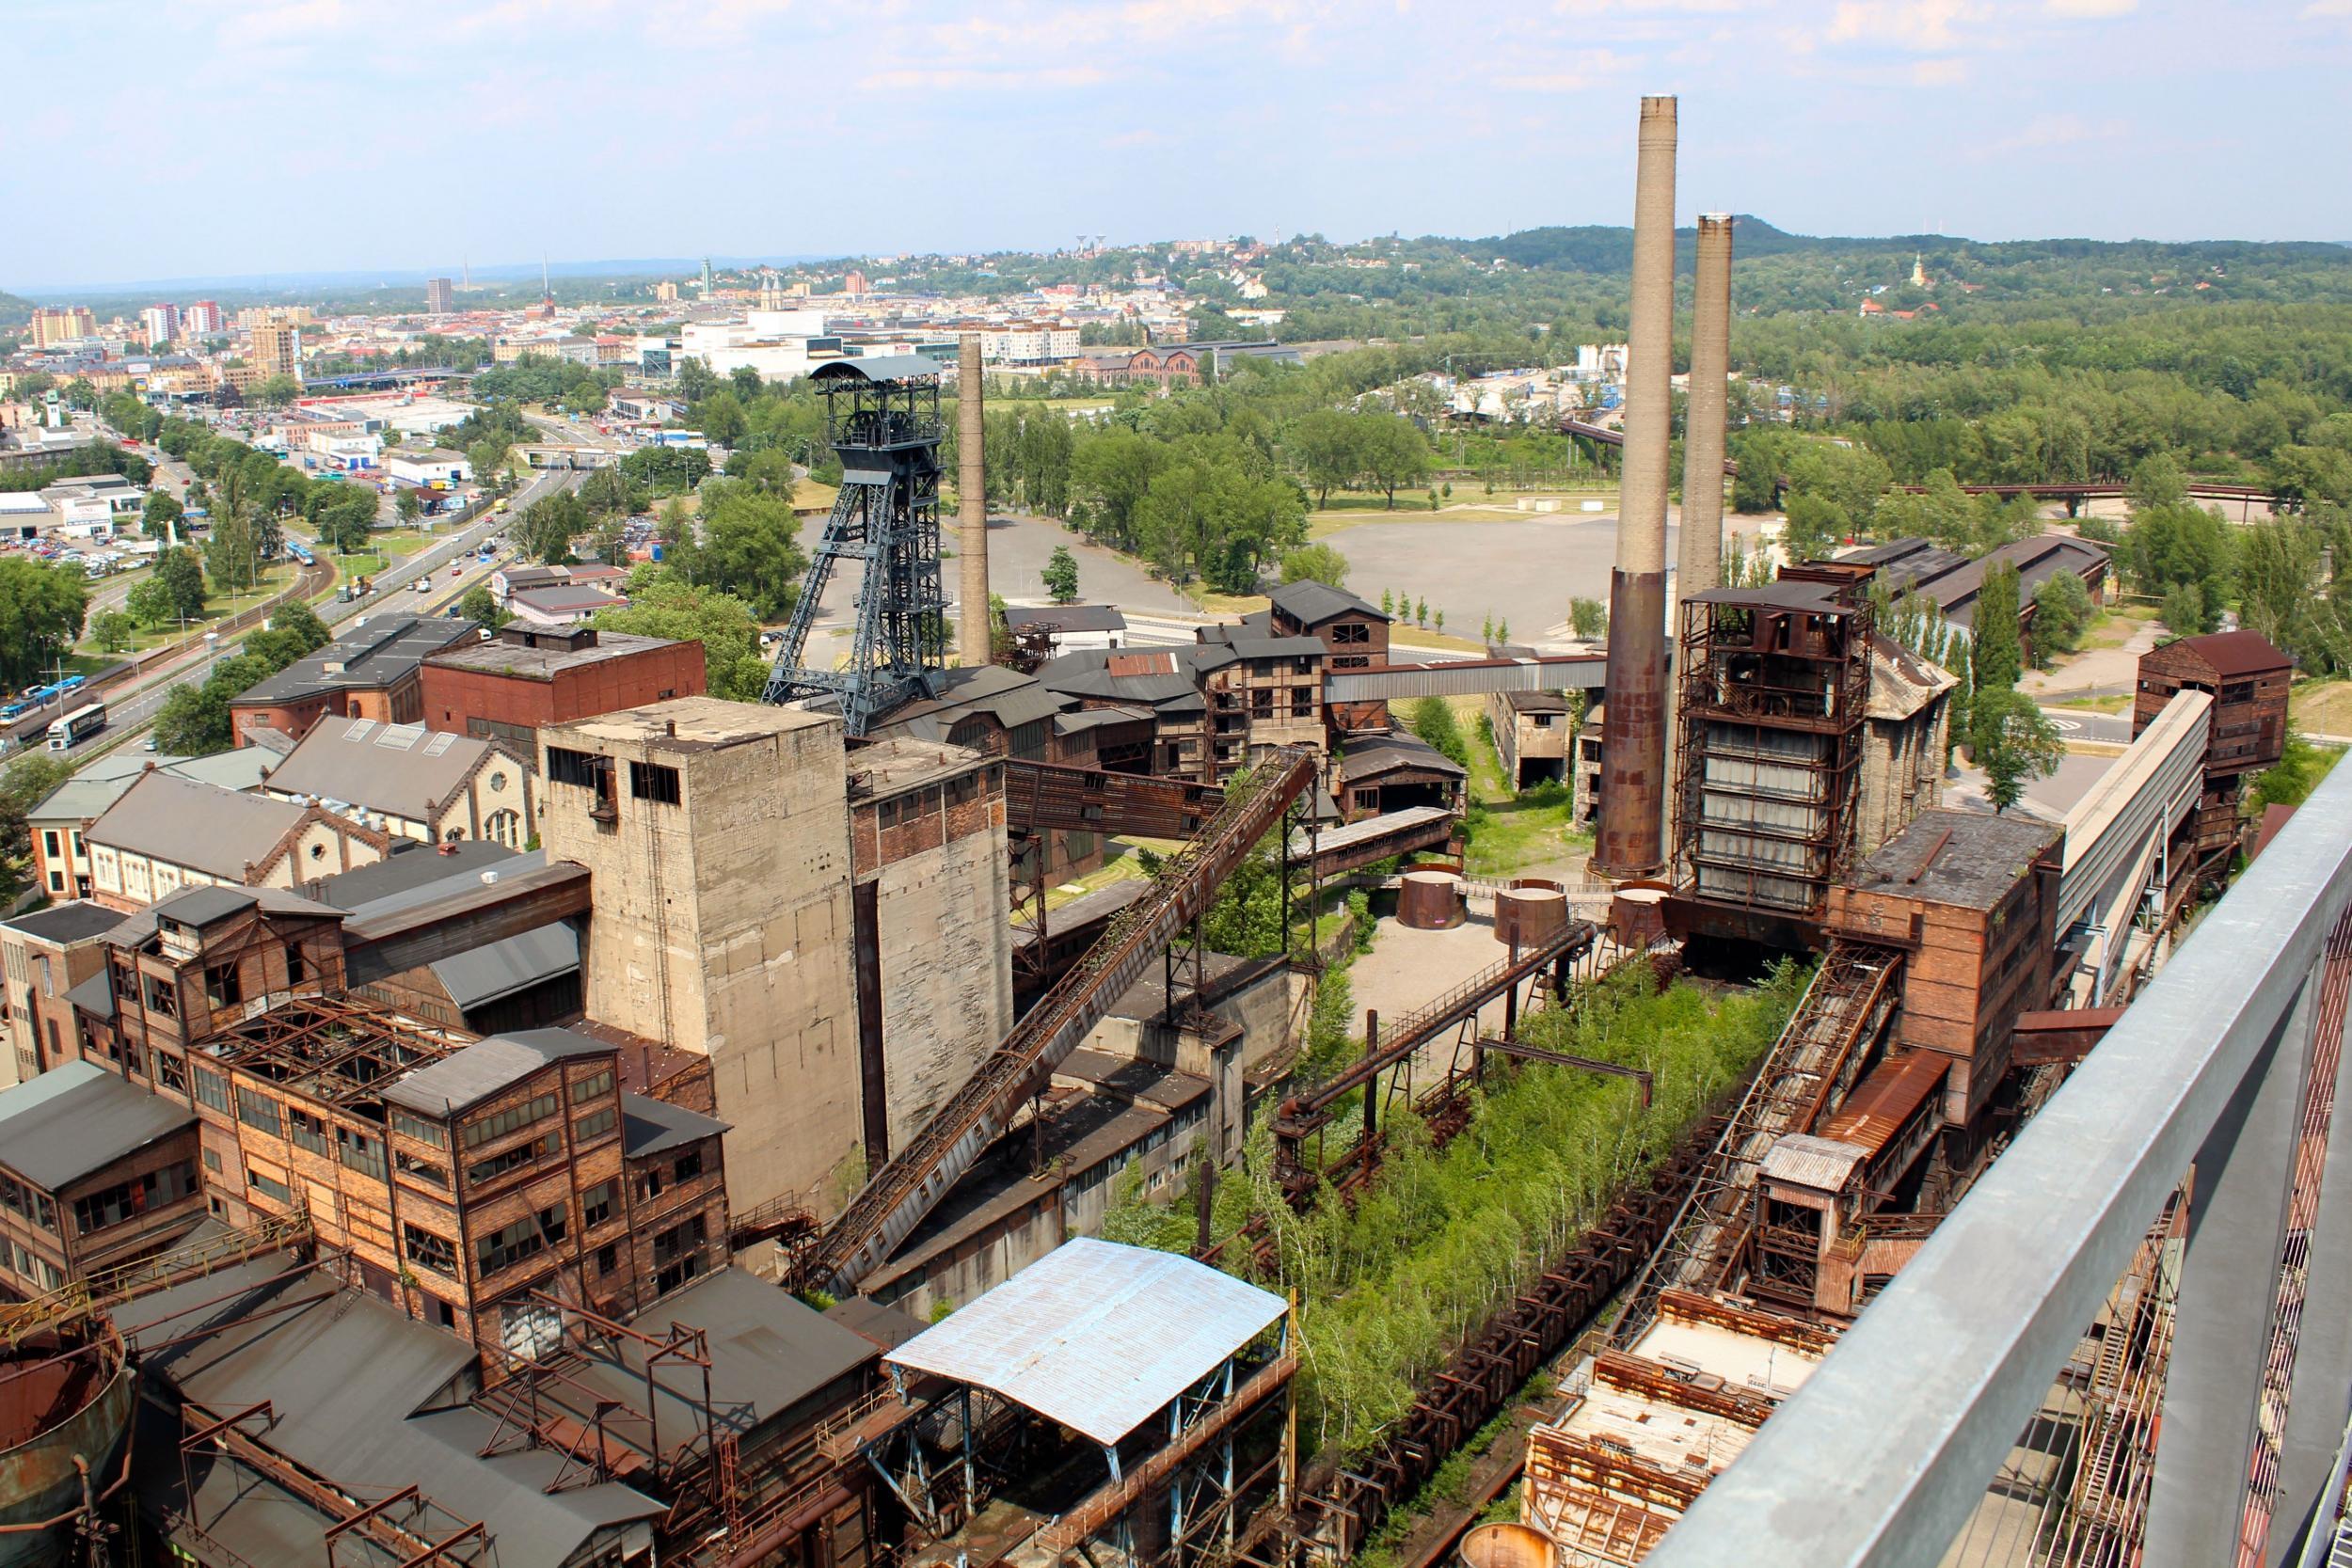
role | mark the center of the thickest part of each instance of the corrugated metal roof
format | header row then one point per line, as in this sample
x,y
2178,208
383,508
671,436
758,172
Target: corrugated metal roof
x,y
651,1126
481,1070
77,1118
882,367
1805,1161
1882,1102
1096,1335
511,964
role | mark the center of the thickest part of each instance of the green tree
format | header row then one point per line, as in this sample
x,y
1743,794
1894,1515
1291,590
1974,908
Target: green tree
x,y
2015,743
182,579
478,606
2184,611
1996,652
662,604
28,782
1815,524
1324,444
407,506
1314,564
722,418
158,517
40,616
667,470
1061,576
2062,613
1588,620
112,630
1393,453
277,392
548,526
148,602
748,546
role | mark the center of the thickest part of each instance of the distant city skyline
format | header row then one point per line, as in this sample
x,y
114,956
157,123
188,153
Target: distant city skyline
x,y
590,128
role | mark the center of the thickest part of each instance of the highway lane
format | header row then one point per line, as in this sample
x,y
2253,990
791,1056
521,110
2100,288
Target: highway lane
x,y
139,704
2110,729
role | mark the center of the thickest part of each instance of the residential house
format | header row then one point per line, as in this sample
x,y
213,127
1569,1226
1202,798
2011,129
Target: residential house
x,y
166,833
409,782
60,823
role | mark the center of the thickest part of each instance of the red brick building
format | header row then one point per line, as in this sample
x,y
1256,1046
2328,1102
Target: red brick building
x,y
371,673
529,676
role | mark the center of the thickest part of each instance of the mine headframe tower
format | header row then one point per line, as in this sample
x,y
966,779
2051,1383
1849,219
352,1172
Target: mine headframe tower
x,y
883,420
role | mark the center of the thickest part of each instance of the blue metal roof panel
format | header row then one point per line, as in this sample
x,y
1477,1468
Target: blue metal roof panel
x,y
1096,1335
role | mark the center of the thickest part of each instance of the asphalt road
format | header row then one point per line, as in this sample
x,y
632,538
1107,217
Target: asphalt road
x,y
2103,728
139,704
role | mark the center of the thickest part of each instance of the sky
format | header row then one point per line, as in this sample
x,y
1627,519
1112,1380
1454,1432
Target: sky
x,y
176,139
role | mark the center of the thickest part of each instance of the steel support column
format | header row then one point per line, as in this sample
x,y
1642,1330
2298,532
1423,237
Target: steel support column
x,y
2221,1321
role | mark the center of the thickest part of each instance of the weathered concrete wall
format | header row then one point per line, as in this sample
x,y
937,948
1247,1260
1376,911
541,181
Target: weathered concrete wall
x,y
723,923
946,971
1902,771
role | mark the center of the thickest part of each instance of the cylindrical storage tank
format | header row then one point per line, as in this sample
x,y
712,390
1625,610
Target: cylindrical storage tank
x,y
1429,902
1529,916
1637,916
1506,1545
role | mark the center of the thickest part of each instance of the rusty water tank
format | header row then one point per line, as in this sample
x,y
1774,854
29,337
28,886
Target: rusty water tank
x,y
1506,1545
1429,902
1637,913
1530,912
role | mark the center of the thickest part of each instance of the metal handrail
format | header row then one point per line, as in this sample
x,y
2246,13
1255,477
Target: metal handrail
x,y
1884,1454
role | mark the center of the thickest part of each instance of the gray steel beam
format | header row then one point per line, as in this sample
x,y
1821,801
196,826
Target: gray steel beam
x,y
1881,1457
2237,1214
2320,1398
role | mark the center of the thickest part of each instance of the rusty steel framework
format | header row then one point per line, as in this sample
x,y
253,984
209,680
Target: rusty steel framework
x,y
414,1530
1850,1001
1306,1116
1771,706
898,1196
334,1049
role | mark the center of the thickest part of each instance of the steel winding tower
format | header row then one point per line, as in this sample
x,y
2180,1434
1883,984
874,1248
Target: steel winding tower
x,y
883,420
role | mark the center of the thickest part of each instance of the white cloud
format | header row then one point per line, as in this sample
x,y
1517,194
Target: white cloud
x,y
2090,9
953,79
1945,72
1924,25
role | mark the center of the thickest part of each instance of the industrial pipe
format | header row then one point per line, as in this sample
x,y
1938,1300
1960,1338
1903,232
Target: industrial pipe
x,y
1631,841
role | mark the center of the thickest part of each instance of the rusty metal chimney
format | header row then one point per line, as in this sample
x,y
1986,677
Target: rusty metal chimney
x,y
972,633
1631,837
1699,554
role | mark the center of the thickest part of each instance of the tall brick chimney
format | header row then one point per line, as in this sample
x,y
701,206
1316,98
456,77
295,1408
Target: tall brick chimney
x,y
1631,841
971,632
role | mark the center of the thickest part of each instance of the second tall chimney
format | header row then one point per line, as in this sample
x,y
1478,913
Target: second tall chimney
x,y
1699,553
1631,839
972,632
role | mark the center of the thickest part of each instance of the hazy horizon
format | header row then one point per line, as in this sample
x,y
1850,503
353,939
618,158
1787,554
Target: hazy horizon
x,y
392,140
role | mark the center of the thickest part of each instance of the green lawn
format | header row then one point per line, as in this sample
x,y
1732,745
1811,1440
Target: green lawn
x,y
1511,833
220,606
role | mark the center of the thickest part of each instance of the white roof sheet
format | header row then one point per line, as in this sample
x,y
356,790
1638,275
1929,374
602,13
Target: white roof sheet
x,y
1096,1335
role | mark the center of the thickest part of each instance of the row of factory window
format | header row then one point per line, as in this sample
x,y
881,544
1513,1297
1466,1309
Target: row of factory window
x,y
919,803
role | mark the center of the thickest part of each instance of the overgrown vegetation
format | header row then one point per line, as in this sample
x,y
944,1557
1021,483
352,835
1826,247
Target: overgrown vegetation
x,y
1390,1288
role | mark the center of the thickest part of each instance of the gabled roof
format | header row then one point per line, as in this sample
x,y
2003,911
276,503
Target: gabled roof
x,y
1370,756
2234,652
473,1073
77,1118
217,831
404,769
1311,603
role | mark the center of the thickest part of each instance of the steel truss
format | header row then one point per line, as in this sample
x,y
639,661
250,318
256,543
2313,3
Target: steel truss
x,y
885,517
